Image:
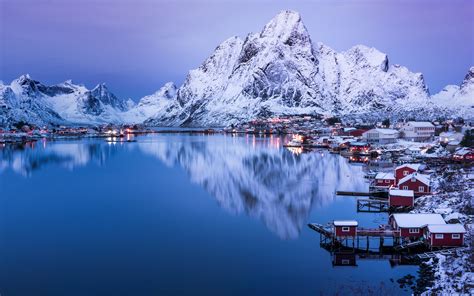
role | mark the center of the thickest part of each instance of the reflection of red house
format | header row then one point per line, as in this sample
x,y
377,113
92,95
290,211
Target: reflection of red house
x,y
345,228
419,183
445,235
401,198
384,180
344,259
411,225
405,170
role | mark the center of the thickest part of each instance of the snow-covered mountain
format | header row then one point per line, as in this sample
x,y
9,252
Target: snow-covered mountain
x,y
28,100
151,105
274,72
461,97
280,71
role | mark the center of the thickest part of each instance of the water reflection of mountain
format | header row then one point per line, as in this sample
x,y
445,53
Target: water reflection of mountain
x,y
248,175
24,159
251,176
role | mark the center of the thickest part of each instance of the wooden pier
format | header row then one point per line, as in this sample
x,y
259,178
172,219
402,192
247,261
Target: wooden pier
x,y
429,255
353,193
372,205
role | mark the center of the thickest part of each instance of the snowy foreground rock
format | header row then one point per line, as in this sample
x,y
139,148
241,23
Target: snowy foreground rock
x,y
454,275
277,71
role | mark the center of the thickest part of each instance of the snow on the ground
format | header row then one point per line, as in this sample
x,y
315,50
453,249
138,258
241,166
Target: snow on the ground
x,y
455,201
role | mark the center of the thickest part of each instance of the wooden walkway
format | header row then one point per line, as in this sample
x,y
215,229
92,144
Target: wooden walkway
x,y
372,205
321,229
407,246
445,252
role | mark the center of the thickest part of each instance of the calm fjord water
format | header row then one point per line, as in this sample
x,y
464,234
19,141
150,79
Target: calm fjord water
x,y
178,214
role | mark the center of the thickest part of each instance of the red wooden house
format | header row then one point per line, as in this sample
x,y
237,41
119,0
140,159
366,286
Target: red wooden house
x,y
412,225
419,183
345,228
405,170
401,198
445,235
384,180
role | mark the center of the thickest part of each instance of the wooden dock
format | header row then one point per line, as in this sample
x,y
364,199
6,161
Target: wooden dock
x,y
406,246
372,205
445,252
353,193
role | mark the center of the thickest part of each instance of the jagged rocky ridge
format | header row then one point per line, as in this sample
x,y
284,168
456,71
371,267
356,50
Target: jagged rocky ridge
x,y
281,71
278,71
28,100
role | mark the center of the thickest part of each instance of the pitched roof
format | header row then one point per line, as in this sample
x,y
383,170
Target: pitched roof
x,y
420,124
385,176
446,228
425,179
414,166
345,223
417,220
385,131
399,192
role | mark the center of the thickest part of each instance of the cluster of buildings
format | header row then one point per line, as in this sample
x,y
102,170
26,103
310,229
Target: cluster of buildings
x,y
431,229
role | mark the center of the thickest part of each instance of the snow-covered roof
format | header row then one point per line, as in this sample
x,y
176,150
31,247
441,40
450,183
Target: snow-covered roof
x,y
417,220
420,124
385,176
385,131
425,179
446,228
345,223
399,192
463,151
414,166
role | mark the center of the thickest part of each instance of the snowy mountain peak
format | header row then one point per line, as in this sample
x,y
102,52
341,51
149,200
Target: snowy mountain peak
x,y
283,25
368,56
167,91
468,79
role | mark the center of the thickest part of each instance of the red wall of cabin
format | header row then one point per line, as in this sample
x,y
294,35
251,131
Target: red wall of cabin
x,y
401,201
446,241
399,173
381,182
414,186
405,232
351,232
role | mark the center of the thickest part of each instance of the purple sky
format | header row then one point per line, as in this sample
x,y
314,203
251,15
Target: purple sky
x,y
135,46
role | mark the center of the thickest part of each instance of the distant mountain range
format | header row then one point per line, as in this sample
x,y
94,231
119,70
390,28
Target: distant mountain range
x,y
278,71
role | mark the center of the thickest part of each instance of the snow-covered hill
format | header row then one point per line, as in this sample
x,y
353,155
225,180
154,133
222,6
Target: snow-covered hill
x,y
67,103
459,97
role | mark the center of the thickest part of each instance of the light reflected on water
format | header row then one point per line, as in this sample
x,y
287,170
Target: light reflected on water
x,y
245,174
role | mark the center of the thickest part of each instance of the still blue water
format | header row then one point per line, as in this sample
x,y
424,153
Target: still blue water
x,y
178,214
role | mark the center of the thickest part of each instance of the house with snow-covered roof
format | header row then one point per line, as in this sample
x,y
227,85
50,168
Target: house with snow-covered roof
x,y
419,183
418,131
345,228
384,180
405,170
401,198
380,136
411,225
444,235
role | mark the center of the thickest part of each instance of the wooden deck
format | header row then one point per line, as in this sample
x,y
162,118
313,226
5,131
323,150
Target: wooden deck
x,y
372,205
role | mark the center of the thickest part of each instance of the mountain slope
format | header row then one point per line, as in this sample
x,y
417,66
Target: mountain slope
x,y
280,71
460,98
30,101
